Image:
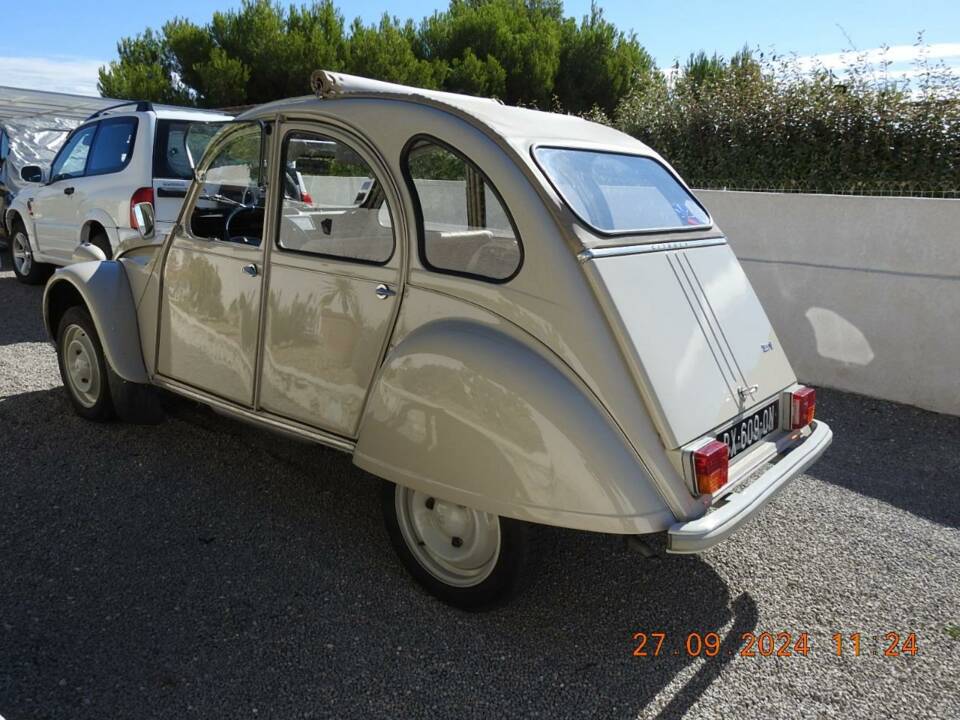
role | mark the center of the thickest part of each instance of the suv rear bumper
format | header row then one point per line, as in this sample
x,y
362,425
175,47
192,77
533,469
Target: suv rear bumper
x,y
692,536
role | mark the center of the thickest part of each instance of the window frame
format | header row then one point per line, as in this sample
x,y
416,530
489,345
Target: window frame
x,y
281,166
96,136
418,210
55,179
195,189
711,225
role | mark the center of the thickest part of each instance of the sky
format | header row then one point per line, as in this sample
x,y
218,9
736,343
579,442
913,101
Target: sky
x,y
64,50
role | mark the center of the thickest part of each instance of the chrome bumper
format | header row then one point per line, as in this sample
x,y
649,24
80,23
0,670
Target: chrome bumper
x,y
692,536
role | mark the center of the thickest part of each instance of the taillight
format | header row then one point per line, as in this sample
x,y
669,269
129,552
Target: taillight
x,y
710,466
142,195
307,198
803,406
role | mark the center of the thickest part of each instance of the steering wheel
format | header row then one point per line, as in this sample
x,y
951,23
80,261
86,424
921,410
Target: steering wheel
x,y
231,217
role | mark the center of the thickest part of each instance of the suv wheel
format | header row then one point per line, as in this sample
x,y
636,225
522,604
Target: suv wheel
x,y
83,366
466,558
26,269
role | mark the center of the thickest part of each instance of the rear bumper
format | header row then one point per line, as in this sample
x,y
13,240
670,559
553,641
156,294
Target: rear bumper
x,y
692,536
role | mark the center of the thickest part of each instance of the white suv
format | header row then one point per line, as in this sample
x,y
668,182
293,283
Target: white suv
x,y
121,156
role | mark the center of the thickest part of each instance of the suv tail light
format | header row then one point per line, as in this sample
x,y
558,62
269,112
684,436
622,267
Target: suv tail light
x,y
710,466
306,197
142,195
803,406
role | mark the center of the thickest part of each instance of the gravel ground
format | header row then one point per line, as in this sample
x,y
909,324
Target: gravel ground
x,y
200,568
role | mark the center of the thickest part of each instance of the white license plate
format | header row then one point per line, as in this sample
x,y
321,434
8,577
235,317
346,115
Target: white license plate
x,y
752,429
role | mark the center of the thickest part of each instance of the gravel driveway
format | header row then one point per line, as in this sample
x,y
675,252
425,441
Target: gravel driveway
x,y
203,569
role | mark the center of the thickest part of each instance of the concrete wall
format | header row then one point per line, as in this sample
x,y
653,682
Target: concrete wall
x,y
864,292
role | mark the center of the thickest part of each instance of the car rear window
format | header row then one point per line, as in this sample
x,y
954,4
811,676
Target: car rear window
x,y
620,193
170,158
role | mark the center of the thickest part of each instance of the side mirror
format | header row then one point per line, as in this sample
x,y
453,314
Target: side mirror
x,y
31,174
146,221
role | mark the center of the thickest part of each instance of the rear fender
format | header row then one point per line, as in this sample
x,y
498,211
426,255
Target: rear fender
x,y
103,288
103,219
471,415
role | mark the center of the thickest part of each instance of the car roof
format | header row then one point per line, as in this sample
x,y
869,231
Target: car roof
x,y
522,127
164,112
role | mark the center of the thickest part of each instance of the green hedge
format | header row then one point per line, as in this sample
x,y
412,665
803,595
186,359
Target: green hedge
x,y
754,123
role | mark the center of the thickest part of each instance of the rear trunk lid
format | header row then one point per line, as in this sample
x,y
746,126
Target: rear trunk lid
x,y
692,328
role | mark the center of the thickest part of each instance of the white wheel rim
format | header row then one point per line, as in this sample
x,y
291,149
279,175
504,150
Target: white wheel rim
x,y
457,545
22,256
80,362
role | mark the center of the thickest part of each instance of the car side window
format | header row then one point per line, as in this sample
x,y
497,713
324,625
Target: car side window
x,y
232,199
72,159
333,203
112,146
465,228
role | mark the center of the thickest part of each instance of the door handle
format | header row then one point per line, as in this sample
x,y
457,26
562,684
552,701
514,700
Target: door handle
x,y
68,191
384,291
250,270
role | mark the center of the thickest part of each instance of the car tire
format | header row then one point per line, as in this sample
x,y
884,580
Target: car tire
x,y
483,571
25,268
100,240
83,366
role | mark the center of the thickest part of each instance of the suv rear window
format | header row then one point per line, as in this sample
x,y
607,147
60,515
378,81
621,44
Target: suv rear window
x,y
620,193
170,150
112,146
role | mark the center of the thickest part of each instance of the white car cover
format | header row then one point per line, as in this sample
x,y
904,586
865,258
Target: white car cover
x,y
33,141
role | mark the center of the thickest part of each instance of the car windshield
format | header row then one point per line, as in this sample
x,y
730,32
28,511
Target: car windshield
x,y
619,193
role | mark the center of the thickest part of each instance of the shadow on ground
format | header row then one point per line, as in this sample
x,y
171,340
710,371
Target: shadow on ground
x,y
899,454
202,564
21,317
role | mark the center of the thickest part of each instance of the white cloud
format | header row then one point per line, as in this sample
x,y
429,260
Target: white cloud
x,y
901,62
902,58
55,74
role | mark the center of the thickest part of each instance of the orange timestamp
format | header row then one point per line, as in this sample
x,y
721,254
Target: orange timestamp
x,y
767,644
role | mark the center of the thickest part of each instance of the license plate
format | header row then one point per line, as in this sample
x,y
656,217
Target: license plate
x,y
752,429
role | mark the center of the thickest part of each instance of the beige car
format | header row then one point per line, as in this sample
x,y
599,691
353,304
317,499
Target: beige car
x,y
513,317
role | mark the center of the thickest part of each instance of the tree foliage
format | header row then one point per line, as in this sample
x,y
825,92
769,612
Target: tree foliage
x,y
522,51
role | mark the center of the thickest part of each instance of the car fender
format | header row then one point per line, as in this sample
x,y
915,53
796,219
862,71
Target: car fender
x,y
18,209
473,415
104,289
102,218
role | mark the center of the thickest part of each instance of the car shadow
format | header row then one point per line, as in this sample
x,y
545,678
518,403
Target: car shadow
x,y
201,564
899,454
21,315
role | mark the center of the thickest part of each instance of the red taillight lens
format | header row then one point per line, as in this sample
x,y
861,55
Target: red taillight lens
x,y
710,466
306,197
803,406
142,195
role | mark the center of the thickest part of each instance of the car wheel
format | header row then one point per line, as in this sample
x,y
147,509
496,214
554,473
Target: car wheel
x,y
83,366
469,559
101,240
25,268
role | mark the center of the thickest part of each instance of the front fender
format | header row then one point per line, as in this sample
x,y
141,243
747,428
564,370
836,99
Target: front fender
x,y
104,289
474,416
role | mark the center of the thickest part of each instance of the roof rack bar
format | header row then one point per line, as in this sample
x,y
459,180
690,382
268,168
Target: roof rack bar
x,y
142,106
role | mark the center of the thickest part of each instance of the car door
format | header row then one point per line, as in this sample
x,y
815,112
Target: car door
x,y
212,273
334,276
56,205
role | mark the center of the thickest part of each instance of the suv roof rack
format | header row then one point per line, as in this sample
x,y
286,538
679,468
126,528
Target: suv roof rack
x,y
142,106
